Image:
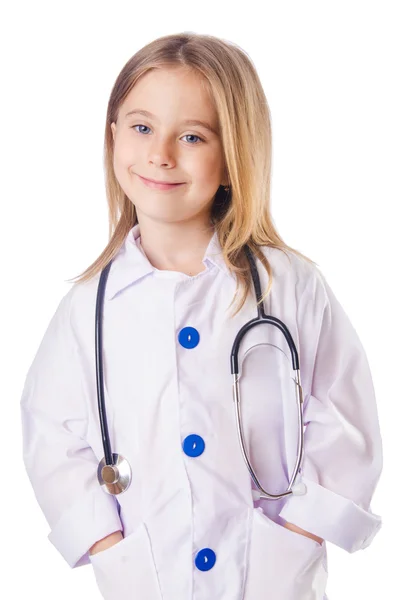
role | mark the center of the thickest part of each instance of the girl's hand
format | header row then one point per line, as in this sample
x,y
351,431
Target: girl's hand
x,y
106,542
297,529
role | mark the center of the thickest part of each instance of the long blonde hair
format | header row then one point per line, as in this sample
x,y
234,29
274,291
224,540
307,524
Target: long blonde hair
x,y
242,216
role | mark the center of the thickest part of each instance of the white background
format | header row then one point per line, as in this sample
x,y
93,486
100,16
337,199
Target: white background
x,y
329,74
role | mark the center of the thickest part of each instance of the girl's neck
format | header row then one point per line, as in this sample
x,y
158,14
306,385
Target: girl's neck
x,y
175,246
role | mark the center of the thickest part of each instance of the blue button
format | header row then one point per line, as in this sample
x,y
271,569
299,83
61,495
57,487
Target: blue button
x,y
189,337
205,559
193,445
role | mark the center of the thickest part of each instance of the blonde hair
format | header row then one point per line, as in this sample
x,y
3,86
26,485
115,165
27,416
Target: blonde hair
x,y
242,216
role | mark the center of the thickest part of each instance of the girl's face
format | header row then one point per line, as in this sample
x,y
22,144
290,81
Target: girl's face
x,y
164,147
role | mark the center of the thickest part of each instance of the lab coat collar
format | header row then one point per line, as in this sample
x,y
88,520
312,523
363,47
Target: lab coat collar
x,y
130,264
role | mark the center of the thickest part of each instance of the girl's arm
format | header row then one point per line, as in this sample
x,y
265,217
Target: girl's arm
x,y
342,443
106,542
293,527
59,461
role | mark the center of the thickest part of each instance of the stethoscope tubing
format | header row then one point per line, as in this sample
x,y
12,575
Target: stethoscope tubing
x,y
114,471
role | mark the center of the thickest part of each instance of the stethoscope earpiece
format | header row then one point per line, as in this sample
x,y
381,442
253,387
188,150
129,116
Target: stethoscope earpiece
x,y
299,489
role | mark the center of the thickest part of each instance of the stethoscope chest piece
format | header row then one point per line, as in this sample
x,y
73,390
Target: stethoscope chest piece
x,y
115,478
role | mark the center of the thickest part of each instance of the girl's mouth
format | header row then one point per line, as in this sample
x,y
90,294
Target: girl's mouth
x,y
159,186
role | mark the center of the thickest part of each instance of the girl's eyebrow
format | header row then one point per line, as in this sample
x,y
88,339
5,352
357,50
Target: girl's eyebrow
x,y
148,114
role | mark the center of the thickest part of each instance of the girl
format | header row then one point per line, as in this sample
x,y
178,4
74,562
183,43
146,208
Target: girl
x,y
188,162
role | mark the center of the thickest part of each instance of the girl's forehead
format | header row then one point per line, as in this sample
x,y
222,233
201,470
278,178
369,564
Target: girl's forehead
x,y
173,82
164,96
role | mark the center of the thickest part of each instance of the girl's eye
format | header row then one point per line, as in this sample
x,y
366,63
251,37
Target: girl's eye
x,y
187,135
133,127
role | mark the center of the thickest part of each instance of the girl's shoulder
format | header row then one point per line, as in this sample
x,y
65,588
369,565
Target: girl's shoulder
x,y
287,264
76,306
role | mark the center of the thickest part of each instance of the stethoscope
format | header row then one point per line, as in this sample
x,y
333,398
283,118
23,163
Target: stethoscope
x,y
114,471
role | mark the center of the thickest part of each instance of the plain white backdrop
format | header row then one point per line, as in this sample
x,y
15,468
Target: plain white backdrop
x,y
329,73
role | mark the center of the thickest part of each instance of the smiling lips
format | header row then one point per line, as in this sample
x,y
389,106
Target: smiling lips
x,y
159,186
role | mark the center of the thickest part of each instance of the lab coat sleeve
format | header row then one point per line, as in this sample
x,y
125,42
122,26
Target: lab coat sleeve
x,y
343,448
60,464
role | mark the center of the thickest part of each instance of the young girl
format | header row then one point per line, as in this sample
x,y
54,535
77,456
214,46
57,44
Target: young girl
x,y
188,162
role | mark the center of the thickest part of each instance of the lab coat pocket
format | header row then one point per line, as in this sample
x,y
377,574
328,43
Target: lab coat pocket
x,y
286,564
126,570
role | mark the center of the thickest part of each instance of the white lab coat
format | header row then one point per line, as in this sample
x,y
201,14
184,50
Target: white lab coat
x,y
192,530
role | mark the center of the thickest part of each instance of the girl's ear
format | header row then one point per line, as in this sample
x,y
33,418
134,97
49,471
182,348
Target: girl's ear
x,y
113,127
225,179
